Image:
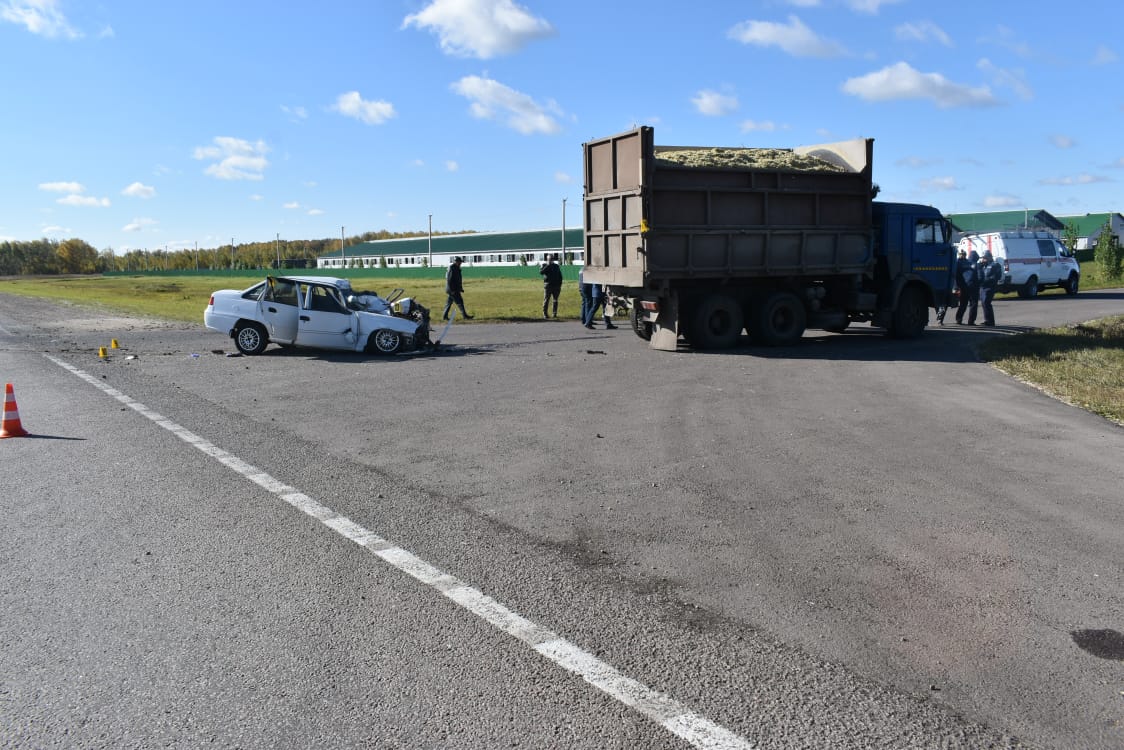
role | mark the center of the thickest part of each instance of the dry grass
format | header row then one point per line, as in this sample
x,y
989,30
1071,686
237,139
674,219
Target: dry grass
x,y
1081,364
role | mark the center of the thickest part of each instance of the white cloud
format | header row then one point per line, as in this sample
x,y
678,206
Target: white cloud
x,y
1081,179
292,205
54,230
352,104
766,126
902,81
480,28
915,162
137,225
1062,141
869,6
713,103
1012,79
63,187
84,200
452,166
295,113
940,184
139,190
491,99
922,31
235,159
1104,55
1001,201
41,17
562,178
315,212
256,197
796,39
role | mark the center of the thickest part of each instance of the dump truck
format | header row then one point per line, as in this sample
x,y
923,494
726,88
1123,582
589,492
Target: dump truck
x,y
703,243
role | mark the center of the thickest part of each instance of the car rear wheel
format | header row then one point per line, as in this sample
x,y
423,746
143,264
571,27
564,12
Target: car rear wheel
x,y
386,342
250,338
1029,290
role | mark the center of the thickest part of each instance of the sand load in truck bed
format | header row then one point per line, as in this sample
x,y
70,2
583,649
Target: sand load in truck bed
x,y
745,158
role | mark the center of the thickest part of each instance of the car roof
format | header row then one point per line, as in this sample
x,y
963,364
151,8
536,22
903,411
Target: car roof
x,y
324,280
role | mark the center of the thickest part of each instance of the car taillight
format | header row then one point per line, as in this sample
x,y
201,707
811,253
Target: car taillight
x,y
211,301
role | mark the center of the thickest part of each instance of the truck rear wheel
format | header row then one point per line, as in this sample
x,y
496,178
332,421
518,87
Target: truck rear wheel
x,y
716,323
911,315
641,328
779,320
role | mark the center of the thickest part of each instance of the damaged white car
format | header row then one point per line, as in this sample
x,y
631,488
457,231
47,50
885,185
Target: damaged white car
x,y
317,311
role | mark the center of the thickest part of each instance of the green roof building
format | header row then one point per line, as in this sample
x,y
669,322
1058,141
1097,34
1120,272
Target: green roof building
x,y
1002,221
1090,226
477,248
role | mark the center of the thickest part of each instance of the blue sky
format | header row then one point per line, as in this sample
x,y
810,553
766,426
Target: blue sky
x,y
138,124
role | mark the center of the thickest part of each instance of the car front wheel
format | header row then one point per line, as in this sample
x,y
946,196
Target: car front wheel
x,y
386,342
250,338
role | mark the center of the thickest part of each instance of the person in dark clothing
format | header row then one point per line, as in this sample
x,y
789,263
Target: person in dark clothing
x,y
991,273
551,274
968,284
586,291
454,287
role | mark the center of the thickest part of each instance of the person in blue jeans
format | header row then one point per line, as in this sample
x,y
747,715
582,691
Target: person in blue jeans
x,y
597,299
968,283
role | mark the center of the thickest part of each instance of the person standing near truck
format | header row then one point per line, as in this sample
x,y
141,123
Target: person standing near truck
x,y
551,284
968,283
454,287
991,273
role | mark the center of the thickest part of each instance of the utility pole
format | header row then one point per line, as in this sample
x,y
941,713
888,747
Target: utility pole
x,y
563,231
343,260
231,253
277,248
431,240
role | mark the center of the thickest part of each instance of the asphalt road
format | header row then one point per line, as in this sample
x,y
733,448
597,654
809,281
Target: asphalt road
x,y
554,538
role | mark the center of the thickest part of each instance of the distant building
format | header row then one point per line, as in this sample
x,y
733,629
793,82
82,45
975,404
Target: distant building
x,y
477,249
1090,226
1002,221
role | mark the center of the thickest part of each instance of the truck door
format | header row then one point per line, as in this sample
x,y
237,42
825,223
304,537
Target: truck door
x,y
932,254
278,307
324,320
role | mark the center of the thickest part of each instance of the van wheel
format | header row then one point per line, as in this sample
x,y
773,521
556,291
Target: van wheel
x,y
1072,283
716,322
1029,290
779,320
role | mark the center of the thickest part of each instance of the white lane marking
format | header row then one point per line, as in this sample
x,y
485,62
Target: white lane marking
x,y
675,717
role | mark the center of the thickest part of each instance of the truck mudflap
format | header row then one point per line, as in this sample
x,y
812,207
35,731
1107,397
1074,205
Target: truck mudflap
x,y
665,328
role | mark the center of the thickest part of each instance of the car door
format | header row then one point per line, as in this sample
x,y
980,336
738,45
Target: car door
x,y
278,310
324,321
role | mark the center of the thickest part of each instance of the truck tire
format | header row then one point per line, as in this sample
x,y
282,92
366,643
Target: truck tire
x,y
779,320
1029,290
1072,284
716,322
250,338
911,315
641,328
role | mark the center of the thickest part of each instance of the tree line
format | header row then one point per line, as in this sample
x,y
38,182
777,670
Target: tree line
x,y
76,256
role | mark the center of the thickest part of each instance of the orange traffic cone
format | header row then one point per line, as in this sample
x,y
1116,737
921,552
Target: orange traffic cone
x,y
11,426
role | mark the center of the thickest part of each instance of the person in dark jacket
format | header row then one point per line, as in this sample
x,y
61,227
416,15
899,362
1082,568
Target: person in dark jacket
x,y
968,284
454,287
551,274
991,273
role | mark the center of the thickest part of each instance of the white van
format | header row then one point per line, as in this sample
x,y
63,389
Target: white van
x,y
1031,260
